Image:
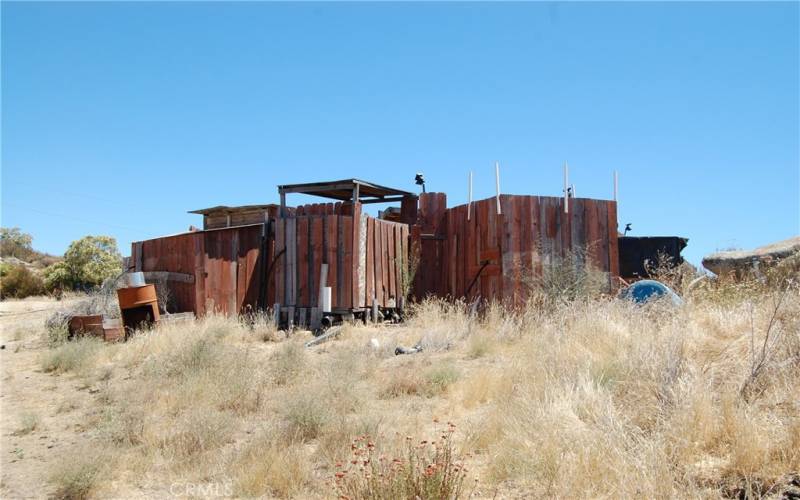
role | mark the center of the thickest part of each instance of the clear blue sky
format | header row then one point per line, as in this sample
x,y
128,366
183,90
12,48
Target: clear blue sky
x,y
118,118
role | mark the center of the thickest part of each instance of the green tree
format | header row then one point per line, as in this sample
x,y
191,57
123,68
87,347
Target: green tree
x,y
15,243
87,263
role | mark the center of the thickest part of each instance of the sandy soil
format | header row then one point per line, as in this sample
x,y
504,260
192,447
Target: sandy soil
x,y
60,407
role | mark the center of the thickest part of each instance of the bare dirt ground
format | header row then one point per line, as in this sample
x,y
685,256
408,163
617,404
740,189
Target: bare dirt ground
x,y
41,414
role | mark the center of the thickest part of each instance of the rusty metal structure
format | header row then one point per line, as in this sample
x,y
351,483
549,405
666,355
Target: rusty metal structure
x,y
283,258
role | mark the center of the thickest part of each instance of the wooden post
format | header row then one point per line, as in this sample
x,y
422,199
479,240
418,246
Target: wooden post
x,y
276,314
374,308
616,185
283,203
497,185
469,207
566,188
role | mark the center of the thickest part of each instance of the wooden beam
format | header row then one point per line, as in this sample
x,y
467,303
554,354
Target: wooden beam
x,y
387,199
168,276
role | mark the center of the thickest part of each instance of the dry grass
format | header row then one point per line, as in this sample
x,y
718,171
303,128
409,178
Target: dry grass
x,y
592,398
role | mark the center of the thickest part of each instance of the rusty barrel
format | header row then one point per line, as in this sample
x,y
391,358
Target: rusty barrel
x,y
138,304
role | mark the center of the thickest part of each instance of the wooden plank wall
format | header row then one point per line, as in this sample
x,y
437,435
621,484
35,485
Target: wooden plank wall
x,y
363,254
386,261
310,241
508,248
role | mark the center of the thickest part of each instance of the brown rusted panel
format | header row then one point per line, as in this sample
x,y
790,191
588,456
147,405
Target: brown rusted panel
x,y
199,298
250,268
380,289
331,255
432,208
317,237
279,261
601,229
346,300
613,241
408,210
302,262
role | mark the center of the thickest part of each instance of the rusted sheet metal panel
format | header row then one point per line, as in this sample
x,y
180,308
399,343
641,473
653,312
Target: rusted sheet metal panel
x,y
330,246
171,254
226,266
279,283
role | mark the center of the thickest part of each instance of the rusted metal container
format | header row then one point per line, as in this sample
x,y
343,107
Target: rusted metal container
x,y
113,330
86,325
139,306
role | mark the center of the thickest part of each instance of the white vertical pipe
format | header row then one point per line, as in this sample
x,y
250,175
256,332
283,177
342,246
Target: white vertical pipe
x,y
566,188
469,207
616,185
497,184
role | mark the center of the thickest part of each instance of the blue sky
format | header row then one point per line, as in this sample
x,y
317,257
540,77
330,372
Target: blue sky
x,y
117,118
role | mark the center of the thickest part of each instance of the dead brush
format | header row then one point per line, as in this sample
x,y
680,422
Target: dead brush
x,y
427,470
674,275
565,279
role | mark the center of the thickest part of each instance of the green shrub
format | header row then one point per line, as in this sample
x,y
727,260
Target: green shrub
x,y
87,263
18,281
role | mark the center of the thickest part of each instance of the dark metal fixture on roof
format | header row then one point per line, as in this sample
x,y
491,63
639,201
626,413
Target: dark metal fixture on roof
x,y
420,180
627,228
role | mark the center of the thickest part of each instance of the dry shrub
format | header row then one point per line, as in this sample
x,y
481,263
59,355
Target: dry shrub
x,y
270,465
288,362
193,433
431,469
678,277
76,356
261,326
18,282
609,399
28,423
78,474
410,380
565,279
305,415
595,397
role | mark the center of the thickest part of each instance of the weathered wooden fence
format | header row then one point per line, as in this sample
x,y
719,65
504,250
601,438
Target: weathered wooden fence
x,y
363,257
475,251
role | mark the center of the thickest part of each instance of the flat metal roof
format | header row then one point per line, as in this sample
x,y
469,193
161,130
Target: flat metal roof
x,y
342,190
224,209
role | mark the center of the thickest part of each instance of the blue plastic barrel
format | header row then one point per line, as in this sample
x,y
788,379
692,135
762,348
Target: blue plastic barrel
x,y
644,290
